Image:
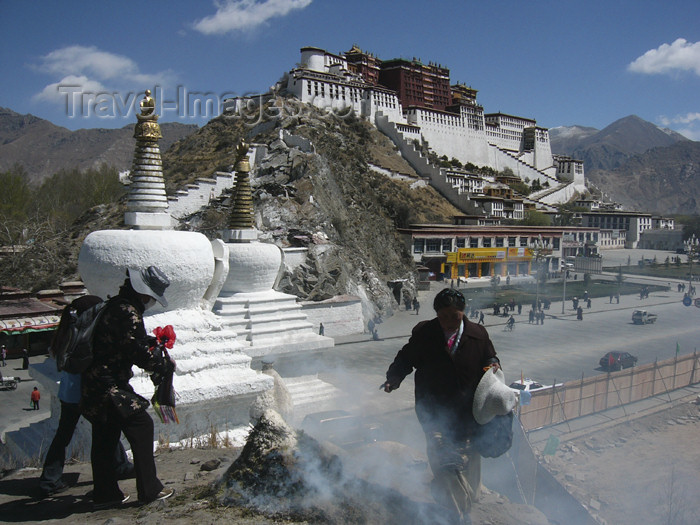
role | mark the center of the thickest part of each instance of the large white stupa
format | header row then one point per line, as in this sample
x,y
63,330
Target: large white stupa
x,y
214,381
215,384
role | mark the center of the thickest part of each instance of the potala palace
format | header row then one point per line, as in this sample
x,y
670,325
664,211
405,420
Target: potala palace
x,y
416,105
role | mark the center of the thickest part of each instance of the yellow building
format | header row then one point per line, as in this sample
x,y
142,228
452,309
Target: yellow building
x,y
488,262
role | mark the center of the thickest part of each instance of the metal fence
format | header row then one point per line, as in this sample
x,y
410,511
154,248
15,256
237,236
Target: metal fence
x,y
615,389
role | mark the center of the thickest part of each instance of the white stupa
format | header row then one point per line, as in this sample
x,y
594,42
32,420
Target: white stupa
x,y
214,380
267,322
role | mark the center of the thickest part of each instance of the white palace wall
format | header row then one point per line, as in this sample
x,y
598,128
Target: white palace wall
x,y
447,135
495,140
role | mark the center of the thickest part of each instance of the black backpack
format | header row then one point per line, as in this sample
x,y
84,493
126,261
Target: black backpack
x,y
77,355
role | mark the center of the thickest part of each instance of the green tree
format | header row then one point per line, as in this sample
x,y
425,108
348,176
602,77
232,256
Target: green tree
x,y
535,218
69,193
16,195
619,278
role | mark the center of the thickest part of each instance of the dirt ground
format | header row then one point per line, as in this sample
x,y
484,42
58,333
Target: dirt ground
x,y
644,471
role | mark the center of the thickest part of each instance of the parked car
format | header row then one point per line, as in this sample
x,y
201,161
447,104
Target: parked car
x,y
527,385
617,361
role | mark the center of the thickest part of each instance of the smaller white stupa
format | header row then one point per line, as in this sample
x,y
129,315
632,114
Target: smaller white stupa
x,y
266,322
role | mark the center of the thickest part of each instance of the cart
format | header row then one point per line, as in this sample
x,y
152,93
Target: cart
x,y
9,383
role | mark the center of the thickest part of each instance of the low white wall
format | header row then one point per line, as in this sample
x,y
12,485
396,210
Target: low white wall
x,y
340,315
293,257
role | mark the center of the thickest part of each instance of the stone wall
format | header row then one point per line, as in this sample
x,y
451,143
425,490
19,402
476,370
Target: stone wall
x,y
341,315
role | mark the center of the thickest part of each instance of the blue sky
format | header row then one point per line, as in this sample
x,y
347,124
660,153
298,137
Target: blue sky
x,y
560,62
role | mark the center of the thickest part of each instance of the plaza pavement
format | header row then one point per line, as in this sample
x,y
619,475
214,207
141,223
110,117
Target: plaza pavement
x,y
356,349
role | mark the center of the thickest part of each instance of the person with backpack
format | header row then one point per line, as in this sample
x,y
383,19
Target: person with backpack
x,y
109,402
450,355
50,482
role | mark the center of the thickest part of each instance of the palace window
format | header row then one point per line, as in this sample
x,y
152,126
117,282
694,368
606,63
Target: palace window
x,y
473,242
486,242
418,245
447,245
432,245
511,241
499,242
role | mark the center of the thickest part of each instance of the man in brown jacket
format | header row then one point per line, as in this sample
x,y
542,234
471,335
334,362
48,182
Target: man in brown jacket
x,y
450,355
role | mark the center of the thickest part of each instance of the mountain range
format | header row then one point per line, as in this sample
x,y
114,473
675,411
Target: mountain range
x,y
637,164
631,161
44,148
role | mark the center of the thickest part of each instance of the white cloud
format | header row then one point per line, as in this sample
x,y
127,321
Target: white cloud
x,y
681,55
687,125
244,15
58,91
91,62
87,73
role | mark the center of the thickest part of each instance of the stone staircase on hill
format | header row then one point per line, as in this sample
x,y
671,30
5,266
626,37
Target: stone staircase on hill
x,y
530,171
436,175
309,395
425,168
199,194
562,192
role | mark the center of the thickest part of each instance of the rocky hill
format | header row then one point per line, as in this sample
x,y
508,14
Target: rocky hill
x,y
344,199
44,148
661,180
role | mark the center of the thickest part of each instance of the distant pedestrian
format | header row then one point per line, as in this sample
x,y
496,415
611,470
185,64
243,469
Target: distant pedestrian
x,y
321,329
588,303
531,316
579,314
520,308
25,359
541,317
611,298
3,353
481,317
34,398
407,302
617,298
416,306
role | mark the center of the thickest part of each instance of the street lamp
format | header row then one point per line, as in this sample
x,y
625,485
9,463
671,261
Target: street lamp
x,y
563,295
540,250
692,246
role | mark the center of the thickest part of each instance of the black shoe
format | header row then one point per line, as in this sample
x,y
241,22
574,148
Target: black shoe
x,y
112,503
163,494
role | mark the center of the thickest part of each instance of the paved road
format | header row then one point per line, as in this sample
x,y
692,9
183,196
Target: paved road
x,y
14,404
563,349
